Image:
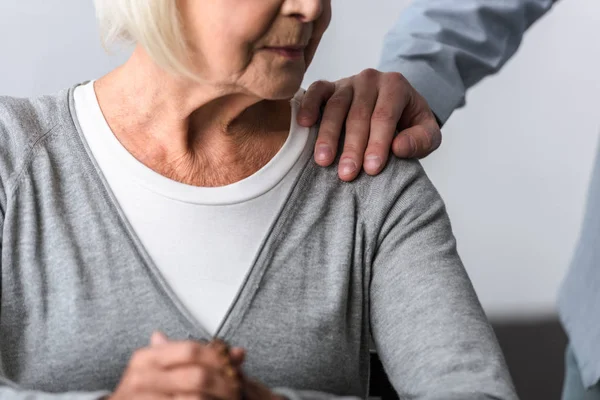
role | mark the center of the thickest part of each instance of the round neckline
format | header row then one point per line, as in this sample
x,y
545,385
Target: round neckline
x,y
257,184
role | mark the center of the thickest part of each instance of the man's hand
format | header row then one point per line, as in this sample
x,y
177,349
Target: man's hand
x,y
374,106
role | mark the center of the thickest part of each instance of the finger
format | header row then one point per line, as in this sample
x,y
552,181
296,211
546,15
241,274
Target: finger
x,y
173,354
190,397
158,338
310,109
222,349
200,381
332,124
220,346
393,98
417,142
420,133
358,124
237,356
154,396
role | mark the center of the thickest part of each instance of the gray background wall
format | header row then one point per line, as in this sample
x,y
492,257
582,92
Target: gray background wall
x,y
515,163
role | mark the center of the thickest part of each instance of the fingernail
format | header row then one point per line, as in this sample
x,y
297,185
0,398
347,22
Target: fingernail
x,y
347,166
372,162
323,153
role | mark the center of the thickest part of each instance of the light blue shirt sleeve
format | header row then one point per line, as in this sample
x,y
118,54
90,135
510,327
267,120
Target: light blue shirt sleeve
x,y
443,47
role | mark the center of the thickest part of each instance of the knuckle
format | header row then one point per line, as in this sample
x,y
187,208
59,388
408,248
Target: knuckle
x,y
331,127
139,358
323,140
352,151
369,74
394,85
345,91
394,78
360,113
327,134
319,86
336,101
199,377
377,147
191,351
339,99
136,381
383,114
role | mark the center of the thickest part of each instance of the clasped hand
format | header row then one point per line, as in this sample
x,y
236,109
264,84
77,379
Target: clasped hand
x,y
188,370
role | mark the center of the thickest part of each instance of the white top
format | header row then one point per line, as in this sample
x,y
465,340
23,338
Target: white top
x,y
202,240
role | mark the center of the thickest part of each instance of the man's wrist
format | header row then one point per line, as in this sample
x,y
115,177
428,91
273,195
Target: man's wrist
x,y
441,96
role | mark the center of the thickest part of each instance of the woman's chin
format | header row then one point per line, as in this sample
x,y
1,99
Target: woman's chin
x,y
281,91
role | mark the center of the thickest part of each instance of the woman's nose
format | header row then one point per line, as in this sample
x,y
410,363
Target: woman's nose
x,y
305,10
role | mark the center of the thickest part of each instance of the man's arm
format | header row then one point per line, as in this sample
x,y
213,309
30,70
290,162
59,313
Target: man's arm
x,y
443,47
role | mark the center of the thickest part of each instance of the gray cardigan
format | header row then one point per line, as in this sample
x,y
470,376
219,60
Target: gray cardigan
x,y
343,261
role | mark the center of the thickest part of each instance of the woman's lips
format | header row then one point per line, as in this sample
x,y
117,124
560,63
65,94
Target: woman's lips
x,y
291,52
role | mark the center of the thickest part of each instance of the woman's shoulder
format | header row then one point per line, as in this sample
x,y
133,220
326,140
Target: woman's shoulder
x,y
403,186
398,173
404,178
24,122
26,119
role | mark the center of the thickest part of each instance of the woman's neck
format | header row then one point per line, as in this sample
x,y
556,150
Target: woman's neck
x,y
190,132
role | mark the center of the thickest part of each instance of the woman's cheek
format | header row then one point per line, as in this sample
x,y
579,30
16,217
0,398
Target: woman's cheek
x,y
311,49
252,22
321,26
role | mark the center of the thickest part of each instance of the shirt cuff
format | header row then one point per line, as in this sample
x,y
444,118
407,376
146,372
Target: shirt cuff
x,y
442,97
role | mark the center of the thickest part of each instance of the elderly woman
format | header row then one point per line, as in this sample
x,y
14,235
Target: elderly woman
x,y
177,195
